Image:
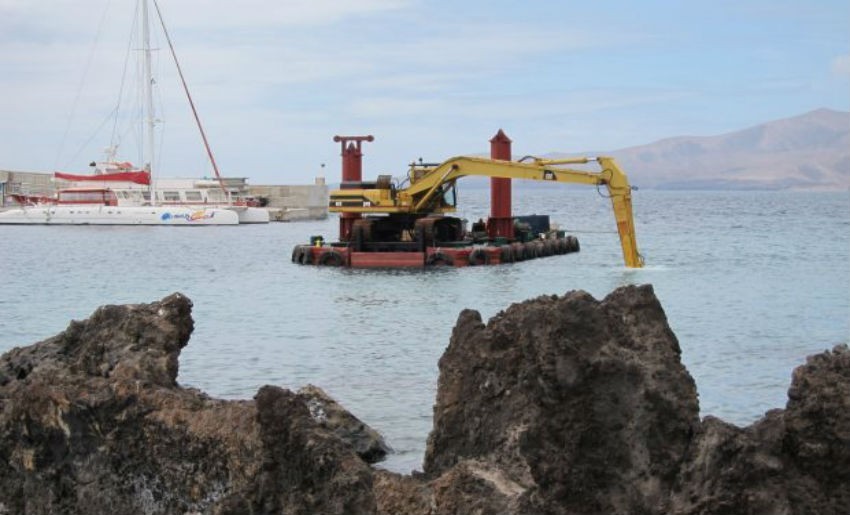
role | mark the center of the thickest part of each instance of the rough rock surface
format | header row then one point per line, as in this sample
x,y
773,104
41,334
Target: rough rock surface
x,y
367,443
569,405
558,405
795,460
572,402
92,421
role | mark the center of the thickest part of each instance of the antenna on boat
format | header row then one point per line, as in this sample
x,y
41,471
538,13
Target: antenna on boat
x,y
191,103
149,97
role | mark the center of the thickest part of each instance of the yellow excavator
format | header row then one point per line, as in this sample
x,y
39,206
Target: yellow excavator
x,y
408,209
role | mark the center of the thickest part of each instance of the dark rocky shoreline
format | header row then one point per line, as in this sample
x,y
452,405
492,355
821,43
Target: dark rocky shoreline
x,y
558,405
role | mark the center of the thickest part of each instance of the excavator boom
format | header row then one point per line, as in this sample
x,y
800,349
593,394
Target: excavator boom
x,y
430,185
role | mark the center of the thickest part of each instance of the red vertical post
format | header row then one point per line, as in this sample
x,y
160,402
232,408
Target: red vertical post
x,y
352,172
500,223
352,163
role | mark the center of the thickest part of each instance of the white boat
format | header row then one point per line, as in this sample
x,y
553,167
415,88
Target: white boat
x,y
104,204
130,189
100,214
119,194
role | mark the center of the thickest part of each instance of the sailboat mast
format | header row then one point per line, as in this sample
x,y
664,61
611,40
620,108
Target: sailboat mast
x,y
192,104
149,114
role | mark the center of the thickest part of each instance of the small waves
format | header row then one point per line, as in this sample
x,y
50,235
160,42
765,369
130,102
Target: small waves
x,y
751,284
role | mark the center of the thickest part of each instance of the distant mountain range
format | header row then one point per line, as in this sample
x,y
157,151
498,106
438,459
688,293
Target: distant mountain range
x,y
810,151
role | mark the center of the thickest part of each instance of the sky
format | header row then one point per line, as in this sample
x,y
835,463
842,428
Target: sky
x,y
275,81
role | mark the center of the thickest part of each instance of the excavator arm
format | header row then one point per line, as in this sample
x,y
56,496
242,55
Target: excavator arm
x,y
429,182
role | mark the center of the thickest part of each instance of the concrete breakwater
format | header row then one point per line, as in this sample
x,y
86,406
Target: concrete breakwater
x,y
294,202
556,405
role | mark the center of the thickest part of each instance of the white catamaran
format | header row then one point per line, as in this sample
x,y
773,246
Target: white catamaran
x,y
119,194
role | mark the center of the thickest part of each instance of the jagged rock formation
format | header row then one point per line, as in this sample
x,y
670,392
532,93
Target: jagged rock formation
x,y
558,405
92,421
366,442
576,403
795,460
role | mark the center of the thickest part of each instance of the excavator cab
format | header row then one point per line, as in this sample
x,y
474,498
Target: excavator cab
x,y
444,200
448,200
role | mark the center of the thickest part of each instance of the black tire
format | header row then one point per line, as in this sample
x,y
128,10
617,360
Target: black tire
x,y
563,247
479,257
506,254
331,258
518,251
296,254
541,248
439,259
306,256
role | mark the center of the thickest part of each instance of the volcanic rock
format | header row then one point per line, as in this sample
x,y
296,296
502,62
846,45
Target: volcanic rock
x,y
558,405
795,460
563,405
92,421
573,404
329,414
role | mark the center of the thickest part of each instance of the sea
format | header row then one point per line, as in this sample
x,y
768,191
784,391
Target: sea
x,y
751,282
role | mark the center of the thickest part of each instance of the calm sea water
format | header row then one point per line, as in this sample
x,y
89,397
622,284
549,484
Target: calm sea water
x,y
751,282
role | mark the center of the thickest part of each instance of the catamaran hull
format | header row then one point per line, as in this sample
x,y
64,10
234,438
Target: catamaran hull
x,y
116,215
251,215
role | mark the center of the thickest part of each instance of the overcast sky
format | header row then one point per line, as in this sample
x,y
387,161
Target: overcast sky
x,y
274,81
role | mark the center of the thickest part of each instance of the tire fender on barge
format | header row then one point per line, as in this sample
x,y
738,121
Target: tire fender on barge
x,y
331,258
439,259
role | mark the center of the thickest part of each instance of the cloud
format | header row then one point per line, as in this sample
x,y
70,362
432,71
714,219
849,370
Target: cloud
x,y
206,14
488,44
280,78
282,13
550,105
379,107
841,66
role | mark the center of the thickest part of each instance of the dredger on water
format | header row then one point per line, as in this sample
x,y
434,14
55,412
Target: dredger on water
x,y
387,224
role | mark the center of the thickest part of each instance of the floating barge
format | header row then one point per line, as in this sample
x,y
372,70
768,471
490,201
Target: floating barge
x,y
387,224
470,252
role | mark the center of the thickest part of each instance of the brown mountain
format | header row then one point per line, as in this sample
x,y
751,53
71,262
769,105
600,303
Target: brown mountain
x,y
810,151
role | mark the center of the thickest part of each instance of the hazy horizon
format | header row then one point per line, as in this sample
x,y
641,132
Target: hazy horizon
x,y
275,81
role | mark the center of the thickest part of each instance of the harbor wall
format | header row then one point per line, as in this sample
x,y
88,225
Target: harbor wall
x,y
24,183
294,202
